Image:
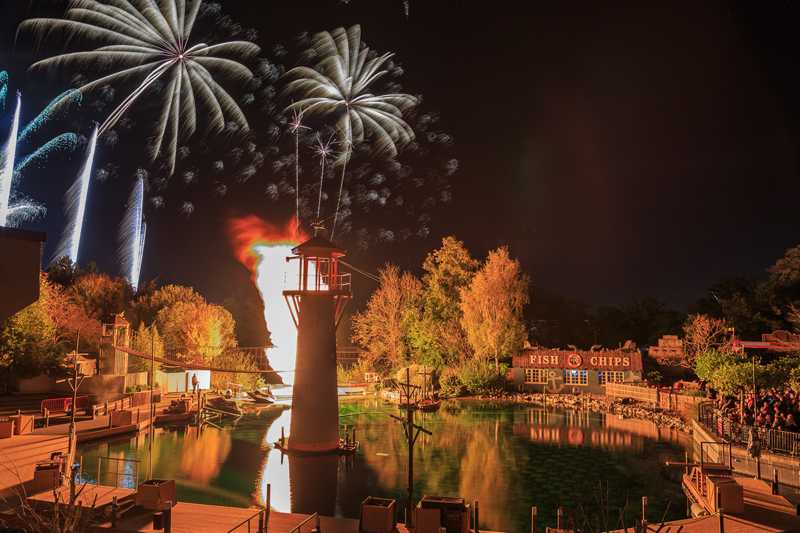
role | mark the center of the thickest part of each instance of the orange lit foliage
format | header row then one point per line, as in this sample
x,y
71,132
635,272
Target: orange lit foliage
x,y
382,328
492,307
196,330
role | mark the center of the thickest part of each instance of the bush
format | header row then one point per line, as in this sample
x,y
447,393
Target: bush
x,y
450,383
473,376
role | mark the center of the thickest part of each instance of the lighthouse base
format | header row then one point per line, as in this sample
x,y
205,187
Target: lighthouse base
x,y
315,401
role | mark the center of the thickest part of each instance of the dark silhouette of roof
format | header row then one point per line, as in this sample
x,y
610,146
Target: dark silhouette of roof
x,y
318,247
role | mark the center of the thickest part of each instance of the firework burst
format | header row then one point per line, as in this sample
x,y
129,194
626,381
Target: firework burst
x,y
337,86
19,153
152,42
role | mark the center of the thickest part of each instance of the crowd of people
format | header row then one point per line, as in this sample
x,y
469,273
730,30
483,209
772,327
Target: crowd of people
x,y
773,409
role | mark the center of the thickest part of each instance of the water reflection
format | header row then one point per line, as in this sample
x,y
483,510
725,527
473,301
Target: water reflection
x,y
506,457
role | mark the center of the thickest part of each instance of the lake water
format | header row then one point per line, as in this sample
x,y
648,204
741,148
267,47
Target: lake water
x,y
507,457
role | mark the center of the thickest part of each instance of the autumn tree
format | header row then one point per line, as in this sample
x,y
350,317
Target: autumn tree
x,y
146,340
196,331
701,334
436,335
30,340
492,307
382,328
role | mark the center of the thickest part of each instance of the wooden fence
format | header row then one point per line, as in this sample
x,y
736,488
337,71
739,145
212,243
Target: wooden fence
x,y
666,399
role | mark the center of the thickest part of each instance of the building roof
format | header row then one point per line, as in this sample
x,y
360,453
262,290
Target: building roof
x,y
22,234
318,247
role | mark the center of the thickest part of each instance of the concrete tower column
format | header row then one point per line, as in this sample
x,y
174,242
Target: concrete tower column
x,y
315,407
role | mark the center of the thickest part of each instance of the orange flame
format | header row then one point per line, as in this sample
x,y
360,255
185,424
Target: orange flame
x,y
250,231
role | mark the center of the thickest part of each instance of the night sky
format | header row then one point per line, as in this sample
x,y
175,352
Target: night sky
x,y
621,151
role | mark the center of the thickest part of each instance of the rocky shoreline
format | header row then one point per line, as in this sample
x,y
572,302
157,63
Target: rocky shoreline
x,y
598,404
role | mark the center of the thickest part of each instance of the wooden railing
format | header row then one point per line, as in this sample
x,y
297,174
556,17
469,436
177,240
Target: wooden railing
x,y
64,404
260,518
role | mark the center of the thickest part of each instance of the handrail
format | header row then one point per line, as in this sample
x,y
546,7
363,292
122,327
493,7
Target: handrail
x,y
773,440
296,529
247,521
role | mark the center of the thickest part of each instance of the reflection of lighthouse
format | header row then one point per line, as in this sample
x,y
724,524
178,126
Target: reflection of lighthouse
x,y
316,305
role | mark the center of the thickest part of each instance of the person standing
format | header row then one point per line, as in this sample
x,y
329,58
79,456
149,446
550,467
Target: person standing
x,y
194,384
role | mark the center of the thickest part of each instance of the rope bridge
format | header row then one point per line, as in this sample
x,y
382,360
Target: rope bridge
x,y
193,366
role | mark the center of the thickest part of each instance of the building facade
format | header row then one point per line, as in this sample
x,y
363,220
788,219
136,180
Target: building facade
x,y
574,371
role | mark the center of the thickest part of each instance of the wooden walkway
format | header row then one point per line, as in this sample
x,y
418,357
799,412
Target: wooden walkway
x,y
763,512
19,455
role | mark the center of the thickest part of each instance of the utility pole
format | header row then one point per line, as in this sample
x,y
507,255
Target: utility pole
x,y
74,383
151,427
412,431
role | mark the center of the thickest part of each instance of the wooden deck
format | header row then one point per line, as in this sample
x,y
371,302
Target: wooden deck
x,y
201,518
763,511
19,455
97,495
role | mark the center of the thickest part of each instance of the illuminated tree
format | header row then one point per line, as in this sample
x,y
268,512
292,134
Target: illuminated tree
x,y
382,328
195,331
702,334
492,307
146,340
29,340
436,335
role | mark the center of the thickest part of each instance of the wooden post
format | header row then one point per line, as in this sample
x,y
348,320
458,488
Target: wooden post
x,y
774,481
644,513
559,516
534,516
477,518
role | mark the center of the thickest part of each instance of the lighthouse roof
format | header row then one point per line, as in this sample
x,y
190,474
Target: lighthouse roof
x,y
318,247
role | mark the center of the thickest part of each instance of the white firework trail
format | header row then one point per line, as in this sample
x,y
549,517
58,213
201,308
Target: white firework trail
x,y
323,150
76,197
7,169
132,233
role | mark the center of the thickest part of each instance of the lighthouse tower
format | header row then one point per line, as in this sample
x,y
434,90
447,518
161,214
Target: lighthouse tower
x,y
316,303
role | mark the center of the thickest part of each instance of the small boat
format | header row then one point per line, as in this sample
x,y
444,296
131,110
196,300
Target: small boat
x,y
225,405
260,397
429,402
429,405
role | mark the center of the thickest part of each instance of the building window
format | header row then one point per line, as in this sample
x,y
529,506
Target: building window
x,y
576,377
535,375
610,376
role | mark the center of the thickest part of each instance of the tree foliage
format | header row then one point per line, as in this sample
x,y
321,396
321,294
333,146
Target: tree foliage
x,y
436,334
383,327
147,340
492,307
196,331
701,334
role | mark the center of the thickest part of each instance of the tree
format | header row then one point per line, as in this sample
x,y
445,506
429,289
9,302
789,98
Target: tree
x,y
725,371
150,302
146,340
701,334
100,295
492,307
196,331
436,336
383,327
29,340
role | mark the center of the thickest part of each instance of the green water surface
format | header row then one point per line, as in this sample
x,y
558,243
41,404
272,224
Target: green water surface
x,y
507,457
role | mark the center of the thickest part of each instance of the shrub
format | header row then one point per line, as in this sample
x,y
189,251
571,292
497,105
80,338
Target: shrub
x,y
450,383
479,376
